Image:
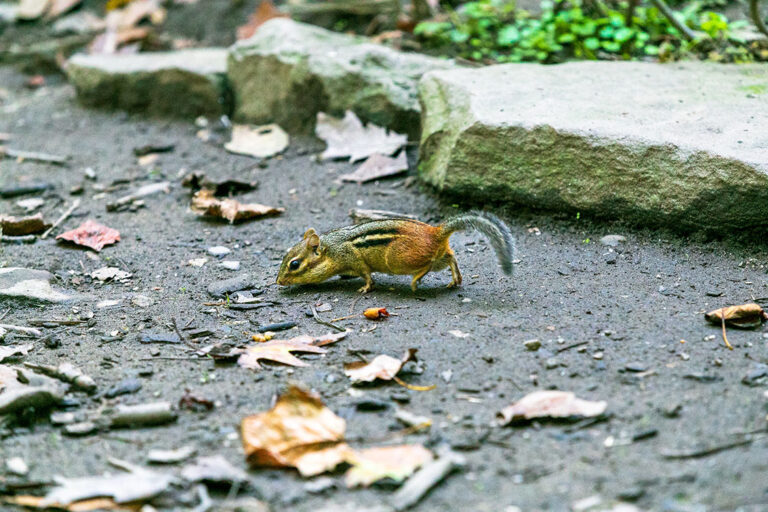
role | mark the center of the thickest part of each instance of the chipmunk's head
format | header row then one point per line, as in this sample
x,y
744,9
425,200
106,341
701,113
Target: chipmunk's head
x,y
305,262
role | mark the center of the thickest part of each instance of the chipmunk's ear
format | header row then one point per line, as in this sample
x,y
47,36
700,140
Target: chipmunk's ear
x,y
309,233
313,242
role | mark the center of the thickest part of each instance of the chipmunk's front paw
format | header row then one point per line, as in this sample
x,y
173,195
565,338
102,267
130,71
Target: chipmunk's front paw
x,y
454,284
366,288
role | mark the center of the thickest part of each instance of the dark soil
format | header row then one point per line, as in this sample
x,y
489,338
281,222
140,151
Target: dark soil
x,y
646,308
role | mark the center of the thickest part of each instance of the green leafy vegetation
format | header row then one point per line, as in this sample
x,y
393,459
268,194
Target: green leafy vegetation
x,y
495,31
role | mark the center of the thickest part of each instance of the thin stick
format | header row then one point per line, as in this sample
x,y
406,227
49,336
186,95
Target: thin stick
x,y
35,156
725,338
5,313
686,32
710,450
61,219
17,328
755,13
569,347
343,318
323,322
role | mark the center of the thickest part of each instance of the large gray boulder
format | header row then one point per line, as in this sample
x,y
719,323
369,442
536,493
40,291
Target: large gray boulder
x,y
185,83
289,71
679,144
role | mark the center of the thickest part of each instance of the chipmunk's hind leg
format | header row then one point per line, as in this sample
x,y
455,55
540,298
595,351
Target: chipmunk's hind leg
x,y
455,273
417,277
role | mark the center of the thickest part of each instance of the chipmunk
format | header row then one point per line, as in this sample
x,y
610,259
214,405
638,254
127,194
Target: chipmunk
x,y
392,246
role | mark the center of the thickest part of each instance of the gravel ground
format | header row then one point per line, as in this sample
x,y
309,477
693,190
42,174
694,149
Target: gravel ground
x,y
640,306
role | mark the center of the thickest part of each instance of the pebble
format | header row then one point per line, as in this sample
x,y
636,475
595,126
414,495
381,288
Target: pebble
x,y
610,258
320,485
613,240
400,396
756,376
446,375
170,456
597,356
324,308
532,345
552,363
80,429
62,418
17,466
124,387
142,301
218,251
635,367
230,265
235,284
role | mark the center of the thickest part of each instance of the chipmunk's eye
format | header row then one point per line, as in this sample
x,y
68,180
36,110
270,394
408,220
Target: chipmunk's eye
x,y
294,265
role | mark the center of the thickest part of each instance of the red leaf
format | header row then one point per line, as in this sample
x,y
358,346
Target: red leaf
x,y
92,235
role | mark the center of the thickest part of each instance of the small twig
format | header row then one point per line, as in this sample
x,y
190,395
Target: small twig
x,y
354,303
710,450
573,345
686,32
5,313
344,318
323,322
755,13
33,155
725,338
18,328
61,219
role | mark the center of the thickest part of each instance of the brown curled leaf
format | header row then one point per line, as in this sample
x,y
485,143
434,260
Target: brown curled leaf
x,y
299,431
278,351
382,367
744,316
205,203
91,234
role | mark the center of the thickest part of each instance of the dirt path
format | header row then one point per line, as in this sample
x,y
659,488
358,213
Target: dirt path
x,y
644,309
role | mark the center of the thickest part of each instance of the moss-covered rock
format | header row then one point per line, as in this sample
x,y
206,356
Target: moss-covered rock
x,y
289,71
184,83
678,144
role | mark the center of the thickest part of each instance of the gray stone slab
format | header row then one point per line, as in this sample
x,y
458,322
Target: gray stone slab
x,y
289,71
682,144
24,284
184,83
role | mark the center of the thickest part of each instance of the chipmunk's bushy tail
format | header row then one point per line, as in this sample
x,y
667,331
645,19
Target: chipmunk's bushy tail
x,y
492,227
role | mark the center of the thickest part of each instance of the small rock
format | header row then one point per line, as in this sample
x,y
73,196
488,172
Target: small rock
x,y
597,356
62,418
198,262
17,466
613,240
400,396
235,284
320,485
703,377
142,301
552,363
124,387
672,410
610,258
24,284
371,404
635,367
230,265
410,419
83,428
170,456
756,376
218,251
446,375
532,345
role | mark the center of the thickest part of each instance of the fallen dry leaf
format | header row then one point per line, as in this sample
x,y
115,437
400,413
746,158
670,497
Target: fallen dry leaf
x,y
18,226
263,13
745,316
278,351
550,404
378,166
7,352
110,273
204,203
375,313
31,9
299,431
319,341
258,141
59,7
91,234
230,186
349,138
382,367
394,462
